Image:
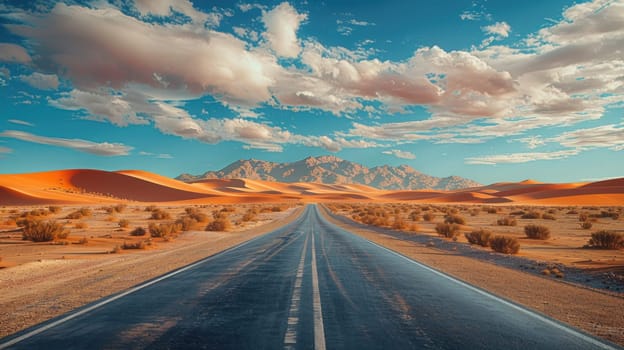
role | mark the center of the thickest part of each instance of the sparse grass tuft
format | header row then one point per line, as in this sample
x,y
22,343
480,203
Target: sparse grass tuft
x,y
505,245
537,232
480,237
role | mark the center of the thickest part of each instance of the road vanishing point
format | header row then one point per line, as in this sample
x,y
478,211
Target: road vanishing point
x,y
307,285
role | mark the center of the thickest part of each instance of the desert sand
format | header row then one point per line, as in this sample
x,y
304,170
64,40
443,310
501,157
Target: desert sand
x,y
96,186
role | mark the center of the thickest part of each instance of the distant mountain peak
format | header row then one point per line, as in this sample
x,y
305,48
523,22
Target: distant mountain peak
x,y
329,169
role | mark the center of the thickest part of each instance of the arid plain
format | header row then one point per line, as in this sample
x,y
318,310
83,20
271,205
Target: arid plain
x,y
100,252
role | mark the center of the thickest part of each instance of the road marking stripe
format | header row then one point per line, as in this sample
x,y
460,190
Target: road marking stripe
x,y
319,331
119,296
503,301
290,337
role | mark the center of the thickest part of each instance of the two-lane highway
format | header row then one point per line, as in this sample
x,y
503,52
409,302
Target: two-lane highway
x,y
308,285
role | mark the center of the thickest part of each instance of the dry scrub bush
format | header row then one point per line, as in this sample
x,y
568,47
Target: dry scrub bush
x,y
139,231
583,217
43,231
429,217
454,219
537,231
447,230
506,221
221,224
163,230
480,237
586,225
606,240
505,245
123,223
80,213
159,214
532,215
399,223
548,217
81,225
136,245
55,209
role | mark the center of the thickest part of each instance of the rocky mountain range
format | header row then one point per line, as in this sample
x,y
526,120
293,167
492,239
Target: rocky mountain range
x,y
333,170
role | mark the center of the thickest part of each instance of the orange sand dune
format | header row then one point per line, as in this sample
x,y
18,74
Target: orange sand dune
x,y
97,186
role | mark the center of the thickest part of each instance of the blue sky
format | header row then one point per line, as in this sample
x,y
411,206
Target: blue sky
x,y
489,90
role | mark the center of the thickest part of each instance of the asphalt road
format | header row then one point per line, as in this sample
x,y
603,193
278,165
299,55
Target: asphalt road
x,y
308,285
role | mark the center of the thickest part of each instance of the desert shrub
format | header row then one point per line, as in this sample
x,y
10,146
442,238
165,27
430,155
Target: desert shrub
x,y
139,231
414,228
163,230
537,231
454,219
81,225
414,215
586,225
583,217
159,214
80,213
248,216
83,240
572,212
606,214
606,240
123,223
548,217
480,237
492,210
276,209
222,224
447,230
532,215
43,231
399,223
475,212
55,209
518,213
506,221
151,208
119,208
135,245
187,223
429,217
505,245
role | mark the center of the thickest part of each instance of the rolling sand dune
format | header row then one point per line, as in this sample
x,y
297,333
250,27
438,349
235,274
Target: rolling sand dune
x,y
95,186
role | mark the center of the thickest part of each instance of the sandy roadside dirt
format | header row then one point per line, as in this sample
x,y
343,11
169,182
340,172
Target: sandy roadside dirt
x,y
37,291
595,312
